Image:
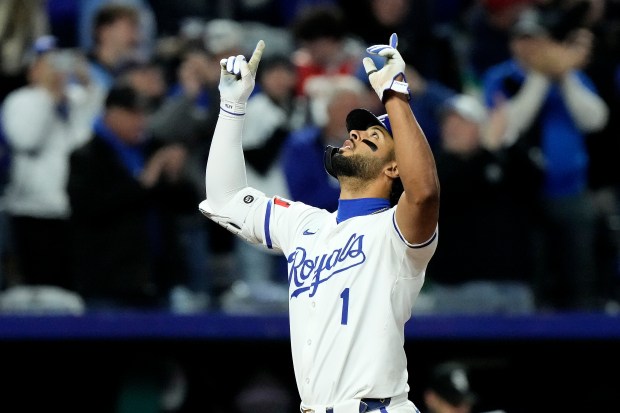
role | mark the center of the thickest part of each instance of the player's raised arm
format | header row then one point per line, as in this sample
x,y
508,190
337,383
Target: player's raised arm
x,y
225,171
418,208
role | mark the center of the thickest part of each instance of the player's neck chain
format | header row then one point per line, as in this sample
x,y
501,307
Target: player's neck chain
x,y
349,208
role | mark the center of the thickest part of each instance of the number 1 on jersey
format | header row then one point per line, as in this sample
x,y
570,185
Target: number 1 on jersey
x,y
345,306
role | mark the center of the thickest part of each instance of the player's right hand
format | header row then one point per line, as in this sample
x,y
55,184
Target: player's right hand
x,y
237,79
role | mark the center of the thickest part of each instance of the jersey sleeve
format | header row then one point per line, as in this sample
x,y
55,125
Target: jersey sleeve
x,y
283,218
418,255
259,219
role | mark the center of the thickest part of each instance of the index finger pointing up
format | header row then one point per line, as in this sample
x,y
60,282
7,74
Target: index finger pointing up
x,y
256,56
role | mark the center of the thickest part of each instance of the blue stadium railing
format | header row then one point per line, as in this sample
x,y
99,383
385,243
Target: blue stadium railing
x,y
135,325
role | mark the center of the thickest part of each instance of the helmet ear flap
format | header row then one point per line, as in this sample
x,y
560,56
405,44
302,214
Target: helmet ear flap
x,y
330,151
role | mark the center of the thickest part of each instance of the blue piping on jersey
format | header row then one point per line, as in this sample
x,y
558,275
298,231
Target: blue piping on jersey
x,y
267,221
349,208
424,244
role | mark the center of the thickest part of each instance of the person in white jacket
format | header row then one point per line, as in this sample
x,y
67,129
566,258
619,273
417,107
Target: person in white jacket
x,y
43,122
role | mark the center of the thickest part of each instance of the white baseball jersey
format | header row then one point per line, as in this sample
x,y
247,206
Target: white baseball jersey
x,y
352,286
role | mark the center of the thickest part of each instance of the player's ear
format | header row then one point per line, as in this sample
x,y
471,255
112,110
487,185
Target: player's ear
x,y
391,170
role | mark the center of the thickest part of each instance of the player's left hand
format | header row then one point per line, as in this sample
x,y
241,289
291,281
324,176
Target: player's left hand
x,y
392,74
237,79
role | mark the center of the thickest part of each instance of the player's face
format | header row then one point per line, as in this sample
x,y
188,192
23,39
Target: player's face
x,y
129,125
364,154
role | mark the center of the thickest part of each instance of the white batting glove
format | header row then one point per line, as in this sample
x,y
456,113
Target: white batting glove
x,y
385,79
237,79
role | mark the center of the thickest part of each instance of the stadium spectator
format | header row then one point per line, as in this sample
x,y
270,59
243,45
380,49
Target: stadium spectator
x,y
21,23
303,153
553,105
448,389
484,262
44,122
116,40
126,188
272,113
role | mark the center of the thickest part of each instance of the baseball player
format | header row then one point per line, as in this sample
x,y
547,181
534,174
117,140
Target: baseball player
x,y
353,274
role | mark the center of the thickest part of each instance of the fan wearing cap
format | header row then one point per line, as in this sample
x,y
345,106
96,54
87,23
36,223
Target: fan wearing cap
x,y
355,273
487,192
448,390
126,189
304,149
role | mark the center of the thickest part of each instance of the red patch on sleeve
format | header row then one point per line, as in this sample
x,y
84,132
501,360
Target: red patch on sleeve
x,y
281,202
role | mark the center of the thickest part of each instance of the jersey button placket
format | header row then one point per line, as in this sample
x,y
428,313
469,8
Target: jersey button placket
x,y
313,325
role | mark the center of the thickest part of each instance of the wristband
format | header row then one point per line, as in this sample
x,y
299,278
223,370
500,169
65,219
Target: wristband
x,y
401,87
232,110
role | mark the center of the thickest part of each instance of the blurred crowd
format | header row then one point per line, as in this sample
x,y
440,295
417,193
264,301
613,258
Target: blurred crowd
x,y
107,108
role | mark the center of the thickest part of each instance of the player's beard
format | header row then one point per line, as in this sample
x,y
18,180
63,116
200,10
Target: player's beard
x,y
357,166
